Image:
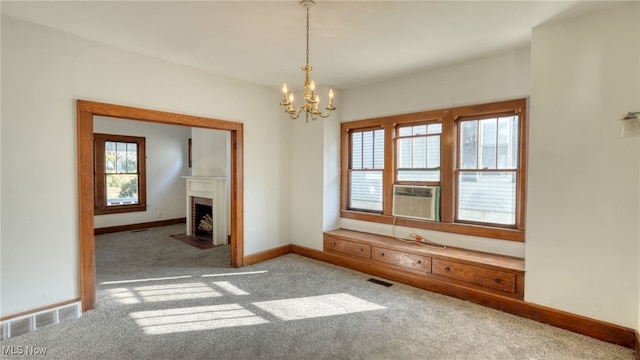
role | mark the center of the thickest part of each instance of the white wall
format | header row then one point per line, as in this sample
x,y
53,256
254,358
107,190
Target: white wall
x,y
583,209
44,72
315,176
501,76
497,77
210,154
166,162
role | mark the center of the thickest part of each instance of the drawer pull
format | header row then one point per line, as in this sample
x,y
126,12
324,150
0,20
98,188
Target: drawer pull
x,y
497,280
381,254
361,249
447,268
419,262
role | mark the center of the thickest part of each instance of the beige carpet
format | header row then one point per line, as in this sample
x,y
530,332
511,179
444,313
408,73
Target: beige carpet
x,y
159,298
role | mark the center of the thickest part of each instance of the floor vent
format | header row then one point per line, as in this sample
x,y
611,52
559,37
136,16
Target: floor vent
x,y
380,282
25,323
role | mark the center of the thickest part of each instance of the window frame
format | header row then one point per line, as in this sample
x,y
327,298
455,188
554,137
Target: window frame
x,y
449,150
350,168
100,199
397,137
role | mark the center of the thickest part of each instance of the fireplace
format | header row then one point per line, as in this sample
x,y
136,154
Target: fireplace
x,y
202,224
207,209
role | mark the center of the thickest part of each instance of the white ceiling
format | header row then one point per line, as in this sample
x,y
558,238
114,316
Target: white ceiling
x,y
352,42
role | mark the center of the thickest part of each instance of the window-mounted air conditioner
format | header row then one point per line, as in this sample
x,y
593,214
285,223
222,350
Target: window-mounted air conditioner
x,y
416,202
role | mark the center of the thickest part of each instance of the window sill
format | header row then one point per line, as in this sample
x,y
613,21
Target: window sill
x,y
120,209
463,229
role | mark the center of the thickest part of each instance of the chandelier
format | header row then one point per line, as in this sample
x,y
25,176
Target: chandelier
x,y
311,100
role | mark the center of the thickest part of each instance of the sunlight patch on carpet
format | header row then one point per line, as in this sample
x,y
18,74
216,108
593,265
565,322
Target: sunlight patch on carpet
x,y
143,280
197,318
238,273
316,306
170,292
230,288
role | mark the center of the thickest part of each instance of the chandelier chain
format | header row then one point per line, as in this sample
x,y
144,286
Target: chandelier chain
x,y
307,36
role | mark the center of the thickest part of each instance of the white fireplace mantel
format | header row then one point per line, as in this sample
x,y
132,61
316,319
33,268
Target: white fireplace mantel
x,y
214,188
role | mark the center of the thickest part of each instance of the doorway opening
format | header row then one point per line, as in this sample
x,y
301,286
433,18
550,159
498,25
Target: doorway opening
x,y
86,110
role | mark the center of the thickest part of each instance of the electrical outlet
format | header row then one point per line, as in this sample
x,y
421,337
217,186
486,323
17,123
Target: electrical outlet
x,y
159,214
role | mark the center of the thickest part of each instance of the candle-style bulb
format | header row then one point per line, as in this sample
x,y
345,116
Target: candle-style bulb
x,y
313,85
284,89
330,94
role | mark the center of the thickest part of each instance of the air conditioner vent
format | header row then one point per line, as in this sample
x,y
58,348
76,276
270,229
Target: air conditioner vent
x,y
416,202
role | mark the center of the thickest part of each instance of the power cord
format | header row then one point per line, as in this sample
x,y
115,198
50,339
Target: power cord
x,y
418,240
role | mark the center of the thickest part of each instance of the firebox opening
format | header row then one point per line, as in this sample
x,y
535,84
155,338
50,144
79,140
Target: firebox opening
x,y
202,218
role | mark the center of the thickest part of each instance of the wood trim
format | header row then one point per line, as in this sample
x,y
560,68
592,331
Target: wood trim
x,y
591,327
388,174
100,190
448,163
237,197
637,345
48,307
129,227
267,255
85,207
522,180
85,112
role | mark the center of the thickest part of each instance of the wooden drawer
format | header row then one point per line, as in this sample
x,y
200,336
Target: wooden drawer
x,y
488,278
347,247
403,259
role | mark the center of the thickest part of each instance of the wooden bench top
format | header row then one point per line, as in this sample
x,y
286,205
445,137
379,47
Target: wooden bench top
x,y
449,253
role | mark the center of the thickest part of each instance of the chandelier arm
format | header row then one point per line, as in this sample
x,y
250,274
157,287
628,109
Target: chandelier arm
x,y
294,114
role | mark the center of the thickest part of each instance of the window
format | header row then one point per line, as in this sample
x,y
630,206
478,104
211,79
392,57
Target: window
x,y
120,182
475,155
366,170
418,153
487,171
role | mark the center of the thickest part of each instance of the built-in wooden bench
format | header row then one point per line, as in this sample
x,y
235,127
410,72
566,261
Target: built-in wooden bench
x,y
431,266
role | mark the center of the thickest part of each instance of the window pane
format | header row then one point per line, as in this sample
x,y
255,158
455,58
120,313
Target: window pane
x,y
404,153
469,144
419,153
356,150
122,189
132,158
404,131
487,197
378,155
110,157
419,175
121,157
489,133
515,145
420,130
433,151
367,150
366,190
508,142
488,157
434,128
